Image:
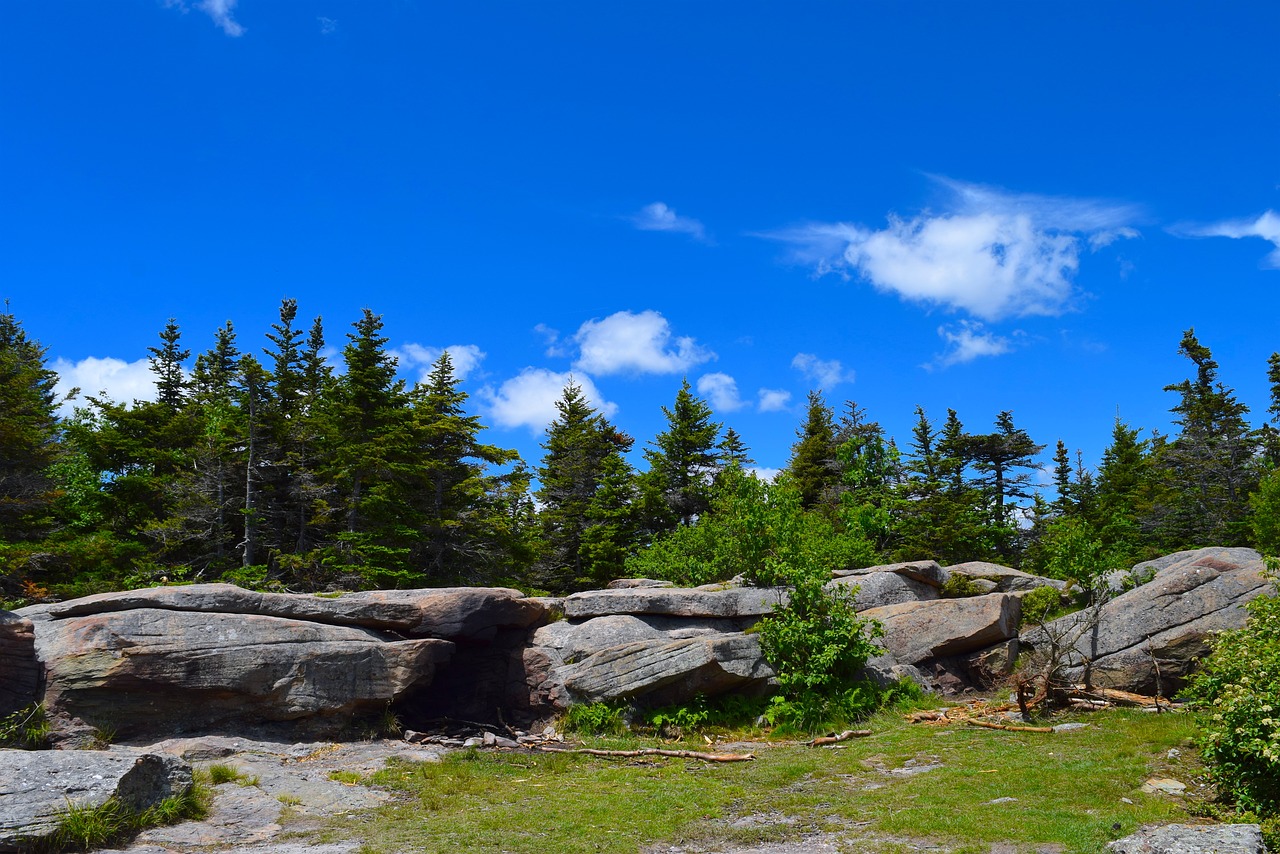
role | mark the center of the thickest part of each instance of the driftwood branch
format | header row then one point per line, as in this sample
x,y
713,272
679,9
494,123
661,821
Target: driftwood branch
x,y
1010,728
654,751
844,736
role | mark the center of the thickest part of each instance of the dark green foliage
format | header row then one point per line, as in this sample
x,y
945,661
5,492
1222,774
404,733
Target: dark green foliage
x,y
702,714
813,464
595,719
1238,691
28,435
682,462
25,729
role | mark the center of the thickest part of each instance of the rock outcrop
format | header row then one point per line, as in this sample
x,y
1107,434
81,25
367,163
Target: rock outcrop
x,y
19,671
1155,632
39,785
1193,839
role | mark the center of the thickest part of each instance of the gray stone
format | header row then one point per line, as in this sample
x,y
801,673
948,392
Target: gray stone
x,y
1007,579
878,589
1171,619
447,612
1193,839
925,571
678,602
917,631
659,672
155,671
36,786
633,583
19,670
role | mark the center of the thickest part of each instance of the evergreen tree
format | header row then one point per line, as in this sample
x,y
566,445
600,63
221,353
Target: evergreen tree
x,y
28,434
587,493
1065,502
682,462
733,451
813,465
1122,485
1270,434
167,364
1208,468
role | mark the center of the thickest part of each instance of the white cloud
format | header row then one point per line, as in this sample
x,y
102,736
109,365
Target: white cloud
x,y
774,400
721,390
967,341
1266,226
121,381
992,253
219,10
555,347
327,25
825,373
764,473
465,357
637,344
529,399
659,217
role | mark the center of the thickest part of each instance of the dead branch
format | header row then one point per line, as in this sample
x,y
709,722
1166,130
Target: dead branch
x,y
1010,728
654,751
844,736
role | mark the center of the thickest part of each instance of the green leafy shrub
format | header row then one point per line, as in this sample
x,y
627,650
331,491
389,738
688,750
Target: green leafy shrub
x,y
595,719
1239,693
220,773
728,711
960,587
1039,604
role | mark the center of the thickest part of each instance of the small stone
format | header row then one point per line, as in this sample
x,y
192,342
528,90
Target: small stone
x,y
499,741
474,741
1164,786
1174,753
1000,801
1075,725
1126,801
489,739
413,736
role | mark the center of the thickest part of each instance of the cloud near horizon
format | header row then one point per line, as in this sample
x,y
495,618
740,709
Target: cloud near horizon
x,y
529,398
121,381
721,391
465,358
992,253
774,399
826,373
659,217
966,341
1266,226
627,343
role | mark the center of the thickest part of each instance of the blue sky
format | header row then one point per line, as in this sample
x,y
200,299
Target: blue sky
x,y
979,206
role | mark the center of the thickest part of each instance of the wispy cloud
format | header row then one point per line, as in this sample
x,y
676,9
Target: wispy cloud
x,y
636,344
465,358
659,217
966,341
824,373
529,398
1266,226
116,379
328,26
221,11
721,390
774,400
990,253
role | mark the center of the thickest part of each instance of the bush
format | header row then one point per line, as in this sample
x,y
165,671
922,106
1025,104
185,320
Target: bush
x,y
595,719
1039,604
1239,693
725,711
25,729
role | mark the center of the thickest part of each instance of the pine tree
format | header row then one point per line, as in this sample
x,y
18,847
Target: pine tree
x,y
733,451
1270,433
587,493
1208,468
813,465
1062,471
28,434
167,364
682,462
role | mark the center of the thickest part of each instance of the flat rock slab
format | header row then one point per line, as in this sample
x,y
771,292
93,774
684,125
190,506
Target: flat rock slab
x,y
445,612
877,589
1006,578
917,631
1193,839
36,786
150,671
926,571
675,602
19,670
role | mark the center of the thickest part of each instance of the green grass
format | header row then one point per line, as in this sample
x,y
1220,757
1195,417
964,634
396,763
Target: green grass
x,y
84,828
1068,788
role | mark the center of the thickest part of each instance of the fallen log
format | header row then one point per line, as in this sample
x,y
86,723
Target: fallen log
x,y
844,736
1121,698
653,751
1010,727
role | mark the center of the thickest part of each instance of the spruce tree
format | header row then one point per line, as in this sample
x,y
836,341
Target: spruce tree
x,y
167,362
813,465
682,462
28,434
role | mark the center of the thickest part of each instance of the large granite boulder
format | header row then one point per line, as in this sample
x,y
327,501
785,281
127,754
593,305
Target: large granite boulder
x,y
1166,623
19,670
1005,578
36,787
452,613
713,601
877,589
925,571
915,632
148,670
1193,839
659,672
